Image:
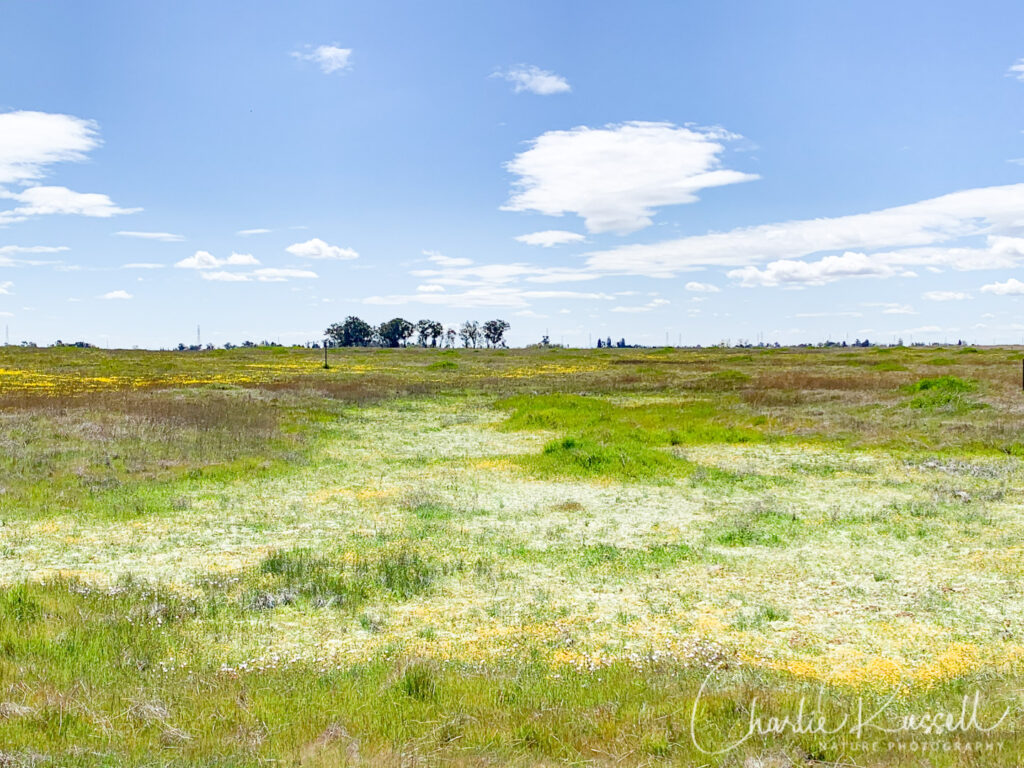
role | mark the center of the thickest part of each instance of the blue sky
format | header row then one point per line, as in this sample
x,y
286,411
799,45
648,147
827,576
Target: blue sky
x,y
699,171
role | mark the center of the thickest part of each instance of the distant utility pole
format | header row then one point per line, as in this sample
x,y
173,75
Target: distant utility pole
x,y
7,335
199,336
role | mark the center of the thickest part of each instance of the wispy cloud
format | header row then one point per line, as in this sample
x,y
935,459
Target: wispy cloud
x,y
142,265
206,260
482,296
458,282
885,243
116,295
826,270
551,237
828,314
6,251
447,261
648,307
695,287
1017,70
891,308
266,275
165,237
32,141
250,232
269,275
946,296
532,79
42,201
227,277
330,58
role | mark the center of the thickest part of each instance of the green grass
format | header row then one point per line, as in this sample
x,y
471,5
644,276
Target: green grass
x,y
947,393
101,696
128,455
292,576
616,441
524,557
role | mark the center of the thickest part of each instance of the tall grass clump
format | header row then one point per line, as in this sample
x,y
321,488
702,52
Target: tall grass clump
x,y
942,393
340,580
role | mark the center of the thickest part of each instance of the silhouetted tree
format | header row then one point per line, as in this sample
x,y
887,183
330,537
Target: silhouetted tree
x,y
428,331
494,332
470,333
394,332
354,332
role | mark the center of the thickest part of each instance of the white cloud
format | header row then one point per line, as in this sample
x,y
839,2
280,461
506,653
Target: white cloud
x,y
40,201
318,249
914,235
266,275
532,79
248,232
5,288
550,237
1017,70
206,260
199,260
226,277
643,308
31,141
483,296
142,265
891,308
7,250
121,295
946,295
446,261
165,237
829,314
280,275
330,58
1012,287
430,288
696,287
827,270
616,176
452,274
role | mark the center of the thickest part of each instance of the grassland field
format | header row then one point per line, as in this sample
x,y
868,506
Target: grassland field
x,y
508,557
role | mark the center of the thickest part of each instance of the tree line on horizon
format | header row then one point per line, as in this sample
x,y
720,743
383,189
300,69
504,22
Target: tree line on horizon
x,y
396,332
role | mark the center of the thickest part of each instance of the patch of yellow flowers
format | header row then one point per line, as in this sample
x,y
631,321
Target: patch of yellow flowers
x,y
859,670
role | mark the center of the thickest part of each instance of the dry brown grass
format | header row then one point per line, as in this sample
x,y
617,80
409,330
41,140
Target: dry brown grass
x,y
796,380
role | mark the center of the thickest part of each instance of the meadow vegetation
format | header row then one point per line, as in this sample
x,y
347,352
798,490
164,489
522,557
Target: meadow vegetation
x,y
506,557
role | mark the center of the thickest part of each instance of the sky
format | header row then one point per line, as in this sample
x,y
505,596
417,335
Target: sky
x,y
675,172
